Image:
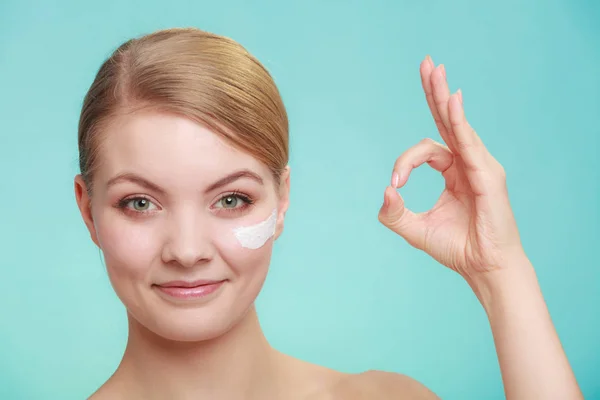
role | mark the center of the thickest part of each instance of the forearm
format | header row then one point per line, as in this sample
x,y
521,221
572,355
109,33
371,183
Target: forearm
x,y
532,360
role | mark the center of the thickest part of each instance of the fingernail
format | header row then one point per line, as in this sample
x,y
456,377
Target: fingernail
x,y
443,70
395,179
460,96
386,202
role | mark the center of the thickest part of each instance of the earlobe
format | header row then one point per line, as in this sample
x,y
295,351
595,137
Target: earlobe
x,y
84,204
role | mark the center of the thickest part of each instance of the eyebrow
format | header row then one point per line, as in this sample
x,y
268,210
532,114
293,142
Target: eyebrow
x,y
244,173
134,178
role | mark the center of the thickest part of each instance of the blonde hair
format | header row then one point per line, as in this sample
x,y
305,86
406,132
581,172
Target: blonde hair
x,y
207,78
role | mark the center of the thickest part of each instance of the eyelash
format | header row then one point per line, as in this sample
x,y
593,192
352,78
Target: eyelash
x,y
247,201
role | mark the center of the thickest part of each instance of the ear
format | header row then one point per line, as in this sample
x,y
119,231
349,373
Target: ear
x,y
85,207
284,200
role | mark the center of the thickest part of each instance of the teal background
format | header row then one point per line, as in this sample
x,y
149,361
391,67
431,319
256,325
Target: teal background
x,y
343,291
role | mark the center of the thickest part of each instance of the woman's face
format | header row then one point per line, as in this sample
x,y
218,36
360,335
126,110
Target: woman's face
x,y
168,197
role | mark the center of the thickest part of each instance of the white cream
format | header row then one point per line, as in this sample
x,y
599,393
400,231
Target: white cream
x,y
255,236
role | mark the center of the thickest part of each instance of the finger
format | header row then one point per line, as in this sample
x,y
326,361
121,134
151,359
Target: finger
x,y
427,69
482,171
396,217
438,156
441,95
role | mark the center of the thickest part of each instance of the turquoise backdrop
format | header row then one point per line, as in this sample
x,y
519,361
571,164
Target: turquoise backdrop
x,y
343,291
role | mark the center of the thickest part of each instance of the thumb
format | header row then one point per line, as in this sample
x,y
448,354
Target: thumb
x,y
395,216
392,210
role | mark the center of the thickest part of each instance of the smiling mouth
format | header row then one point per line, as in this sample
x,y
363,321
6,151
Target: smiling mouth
x,y
189,290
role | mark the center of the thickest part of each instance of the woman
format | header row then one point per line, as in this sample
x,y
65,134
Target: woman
x,y
184,185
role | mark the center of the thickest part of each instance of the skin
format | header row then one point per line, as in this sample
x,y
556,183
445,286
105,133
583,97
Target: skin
x,y
215,348
471,230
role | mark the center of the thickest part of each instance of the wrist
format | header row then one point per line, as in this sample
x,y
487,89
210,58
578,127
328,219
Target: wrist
x,y
514,279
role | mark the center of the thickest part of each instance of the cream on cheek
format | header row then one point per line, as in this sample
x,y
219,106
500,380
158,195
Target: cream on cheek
x,y
132,246
256,235
246,246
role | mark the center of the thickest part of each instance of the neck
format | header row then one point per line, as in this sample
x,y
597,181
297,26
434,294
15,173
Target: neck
x,y
237,364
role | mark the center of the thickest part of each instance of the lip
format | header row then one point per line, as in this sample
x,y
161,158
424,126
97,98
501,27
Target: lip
x,y
189,290
189,284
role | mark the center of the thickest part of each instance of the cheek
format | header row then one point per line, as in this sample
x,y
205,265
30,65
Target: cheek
x,y
242,261
249,267
128,247
249,247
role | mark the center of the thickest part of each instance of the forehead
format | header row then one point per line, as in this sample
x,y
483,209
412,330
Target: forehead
x,y
167,147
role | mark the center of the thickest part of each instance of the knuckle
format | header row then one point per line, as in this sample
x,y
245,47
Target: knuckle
x,y
455,123
502,173
400,161
498,168
465,146
428,142
439,102
387,220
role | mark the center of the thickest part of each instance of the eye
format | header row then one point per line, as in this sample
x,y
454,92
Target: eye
x,y
137,204
233,201
141,204
230,201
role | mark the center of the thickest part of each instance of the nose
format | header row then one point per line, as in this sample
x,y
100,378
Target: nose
x,y
188,242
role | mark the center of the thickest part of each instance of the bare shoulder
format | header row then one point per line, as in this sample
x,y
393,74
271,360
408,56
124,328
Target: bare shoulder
x,y
394,385
103,393
381,385
110,390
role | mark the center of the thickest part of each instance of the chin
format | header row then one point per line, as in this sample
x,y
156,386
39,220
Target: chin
x,y
184,331
187,324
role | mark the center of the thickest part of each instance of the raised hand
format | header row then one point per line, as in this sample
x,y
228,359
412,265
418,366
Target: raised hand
x,y
471,228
